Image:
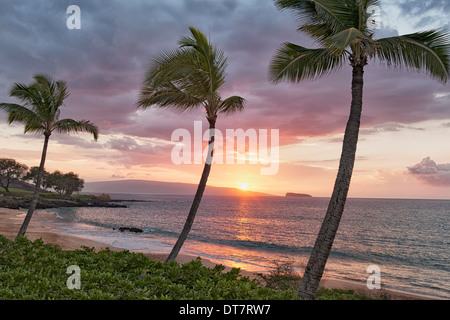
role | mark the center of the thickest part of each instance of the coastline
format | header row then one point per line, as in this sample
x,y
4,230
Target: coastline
x,y
11,220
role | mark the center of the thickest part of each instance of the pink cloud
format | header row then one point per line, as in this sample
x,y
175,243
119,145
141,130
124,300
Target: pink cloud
x,y
105,62
432,173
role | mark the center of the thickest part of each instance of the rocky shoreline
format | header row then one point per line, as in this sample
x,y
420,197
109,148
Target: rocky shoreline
x,y
24,203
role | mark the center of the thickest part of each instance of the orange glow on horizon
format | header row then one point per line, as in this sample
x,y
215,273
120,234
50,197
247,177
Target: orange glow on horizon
x,y
243,186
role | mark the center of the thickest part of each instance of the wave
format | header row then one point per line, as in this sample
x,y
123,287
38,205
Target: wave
x,y
372,232
264,246
380,257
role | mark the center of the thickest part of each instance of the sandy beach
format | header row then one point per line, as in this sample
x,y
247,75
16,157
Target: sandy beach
x,y
11,220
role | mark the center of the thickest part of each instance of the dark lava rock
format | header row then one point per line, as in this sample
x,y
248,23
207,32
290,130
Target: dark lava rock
x,y
132,229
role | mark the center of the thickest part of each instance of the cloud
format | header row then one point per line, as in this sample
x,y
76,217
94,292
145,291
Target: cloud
x,y
134,151
388,127
423,13
105,61
431,173
73,140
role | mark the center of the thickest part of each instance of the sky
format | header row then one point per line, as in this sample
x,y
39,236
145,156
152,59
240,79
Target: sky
x,y
403,151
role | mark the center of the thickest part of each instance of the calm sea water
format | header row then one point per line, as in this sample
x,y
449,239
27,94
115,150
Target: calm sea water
x,y
409,240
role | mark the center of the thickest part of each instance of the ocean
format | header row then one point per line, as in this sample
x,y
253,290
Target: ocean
x,y
408,240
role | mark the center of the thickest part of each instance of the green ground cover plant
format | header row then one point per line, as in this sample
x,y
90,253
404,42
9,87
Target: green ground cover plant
x,y
34,270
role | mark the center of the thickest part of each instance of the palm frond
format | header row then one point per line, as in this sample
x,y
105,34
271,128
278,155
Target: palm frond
x,y
34,127
318,31
296,63
212,58
198,41
18,113
44,96
337,15
52,93
161,67
28,94
176,80
368,3
62,92
232,104
168,95
70,125
348,38
427,51
45,87
304,10
185,78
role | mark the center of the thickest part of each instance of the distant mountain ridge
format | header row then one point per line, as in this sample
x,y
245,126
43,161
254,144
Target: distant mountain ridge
x,y
160,187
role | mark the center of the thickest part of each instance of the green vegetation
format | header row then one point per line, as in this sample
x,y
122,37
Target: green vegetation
x,y
21,198
284,277
10,171
35,270
65,184
17,192
22,193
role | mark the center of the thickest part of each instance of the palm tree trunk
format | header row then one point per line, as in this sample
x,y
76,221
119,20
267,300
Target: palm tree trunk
x,y
322,247
35,199
198,195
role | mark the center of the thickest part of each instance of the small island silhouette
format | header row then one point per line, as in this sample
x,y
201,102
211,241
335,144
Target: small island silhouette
x,y
298,195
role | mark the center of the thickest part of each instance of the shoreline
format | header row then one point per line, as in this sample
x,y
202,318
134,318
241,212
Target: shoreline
x,y
11,220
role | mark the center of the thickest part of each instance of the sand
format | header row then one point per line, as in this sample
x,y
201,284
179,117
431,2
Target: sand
x,y
11,220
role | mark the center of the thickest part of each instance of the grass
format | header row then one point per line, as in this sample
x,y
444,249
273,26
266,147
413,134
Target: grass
x,y
84,197
21,193
34,270
16,192
22,198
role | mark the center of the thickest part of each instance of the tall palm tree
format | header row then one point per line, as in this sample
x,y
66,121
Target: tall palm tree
x,y
186,79
39,113
341,30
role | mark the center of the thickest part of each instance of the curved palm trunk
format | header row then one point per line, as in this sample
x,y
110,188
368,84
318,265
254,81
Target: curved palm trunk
x,y
322,247
198,195
35,199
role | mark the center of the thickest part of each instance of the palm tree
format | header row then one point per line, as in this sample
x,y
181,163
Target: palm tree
x,y
186,79
39,113
341,29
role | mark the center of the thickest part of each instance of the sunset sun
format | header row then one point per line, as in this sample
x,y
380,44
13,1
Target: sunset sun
x,y
243,186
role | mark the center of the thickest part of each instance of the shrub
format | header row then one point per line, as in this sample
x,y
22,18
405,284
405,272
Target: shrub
x,y
284,277
35,270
